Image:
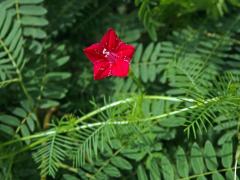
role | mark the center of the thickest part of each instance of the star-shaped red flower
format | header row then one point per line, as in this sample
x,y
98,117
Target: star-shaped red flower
x,y
110,57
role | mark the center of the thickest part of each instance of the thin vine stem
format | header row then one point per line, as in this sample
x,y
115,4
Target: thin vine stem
x,y
67,167
30,146
207,173
97,111
93,113
128,100
6,82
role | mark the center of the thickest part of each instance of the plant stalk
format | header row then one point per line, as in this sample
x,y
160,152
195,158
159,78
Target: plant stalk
x,y
128,100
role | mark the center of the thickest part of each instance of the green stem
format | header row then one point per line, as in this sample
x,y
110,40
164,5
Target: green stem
x,y
128,100
97,111
136,81
207,173
30,146
6,82
25,91
67,167
87,116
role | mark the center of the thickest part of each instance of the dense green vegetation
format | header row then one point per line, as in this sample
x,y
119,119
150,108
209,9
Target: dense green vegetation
x,y
176,116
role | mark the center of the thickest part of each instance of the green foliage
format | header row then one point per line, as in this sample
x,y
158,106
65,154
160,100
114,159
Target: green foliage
x,y
205,161
48,87
29,14
65,15
176,116
155,14
12,54
50,154
17,22
22,121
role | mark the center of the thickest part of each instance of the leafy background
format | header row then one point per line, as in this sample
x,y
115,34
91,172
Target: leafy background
x,y
176,116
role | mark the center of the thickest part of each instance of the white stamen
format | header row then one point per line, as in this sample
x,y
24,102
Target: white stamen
x,y
105,52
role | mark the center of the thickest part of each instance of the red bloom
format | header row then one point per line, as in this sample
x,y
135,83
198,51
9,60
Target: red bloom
x,y
110,57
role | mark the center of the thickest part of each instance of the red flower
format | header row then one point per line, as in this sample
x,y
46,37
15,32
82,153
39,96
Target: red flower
x,y
110,57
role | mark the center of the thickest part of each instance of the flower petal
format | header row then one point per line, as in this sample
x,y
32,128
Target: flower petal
x,y
125,51
94,52
120,68
110,57
110,40
102,69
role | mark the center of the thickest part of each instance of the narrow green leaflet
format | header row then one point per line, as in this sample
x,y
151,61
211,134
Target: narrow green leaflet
x,y
226,154
121,163
166,168
196,159
182,163
141,173
112,171
210,156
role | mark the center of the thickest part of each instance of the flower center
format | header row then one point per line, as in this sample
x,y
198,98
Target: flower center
x,y
111,57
